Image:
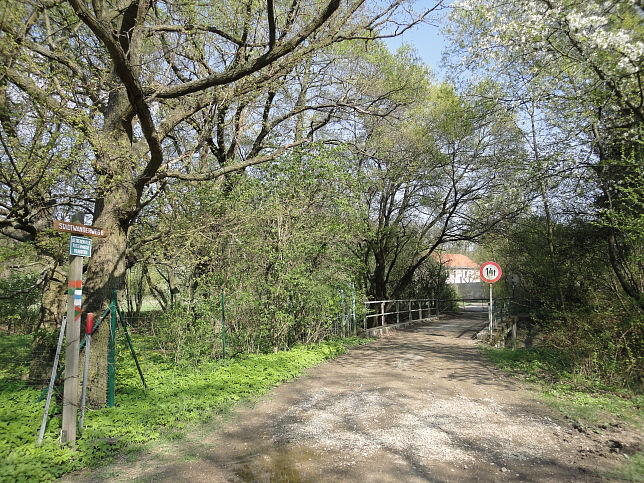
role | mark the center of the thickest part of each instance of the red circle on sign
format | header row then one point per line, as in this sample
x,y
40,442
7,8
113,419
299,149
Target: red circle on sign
x,y
490,272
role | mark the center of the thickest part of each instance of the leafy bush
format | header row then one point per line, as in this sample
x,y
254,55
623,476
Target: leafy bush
x,y
19,313
606,344
278,243
573,295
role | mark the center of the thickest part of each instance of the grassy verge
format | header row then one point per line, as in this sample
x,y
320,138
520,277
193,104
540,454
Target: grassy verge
x,y
590,404
176,396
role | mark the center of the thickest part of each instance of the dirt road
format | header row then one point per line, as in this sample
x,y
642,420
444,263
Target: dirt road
x,y
419,405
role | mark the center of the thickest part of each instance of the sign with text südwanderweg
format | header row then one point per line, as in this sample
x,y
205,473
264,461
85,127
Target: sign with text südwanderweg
x,y
80,246
78,229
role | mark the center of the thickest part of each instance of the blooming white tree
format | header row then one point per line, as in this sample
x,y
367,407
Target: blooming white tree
x,y
576,66
584,57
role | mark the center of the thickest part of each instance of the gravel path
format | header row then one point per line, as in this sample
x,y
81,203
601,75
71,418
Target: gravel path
x,y
418,405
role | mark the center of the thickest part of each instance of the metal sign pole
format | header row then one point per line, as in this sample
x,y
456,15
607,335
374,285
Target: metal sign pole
x,y
111,350
223,324
491,311
88,340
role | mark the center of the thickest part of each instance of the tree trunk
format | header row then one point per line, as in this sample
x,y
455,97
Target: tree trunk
x,y
627,283
550,237
106,273
52,308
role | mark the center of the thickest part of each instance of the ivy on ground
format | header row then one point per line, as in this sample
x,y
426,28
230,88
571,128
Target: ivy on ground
x,y
176,395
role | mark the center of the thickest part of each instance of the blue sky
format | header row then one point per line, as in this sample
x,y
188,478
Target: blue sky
x,y
426,39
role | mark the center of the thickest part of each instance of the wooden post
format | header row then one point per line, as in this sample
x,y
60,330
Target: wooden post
x,y
70,390
366,312
514,334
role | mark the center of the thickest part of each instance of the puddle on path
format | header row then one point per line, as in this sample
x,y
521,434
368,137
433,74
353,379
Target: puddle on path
x,y
283,465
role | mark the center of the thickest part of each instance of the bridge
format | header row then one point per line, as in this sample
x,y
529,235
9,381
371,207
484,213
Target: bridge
x,y
471,317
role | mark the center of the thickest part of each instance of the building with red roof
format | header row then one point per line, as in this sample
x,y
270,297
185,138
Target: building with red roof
x,y
460,268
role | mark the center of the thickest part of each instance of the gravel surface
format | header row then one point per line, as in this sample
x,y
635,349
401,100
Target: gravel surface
x,y
419,405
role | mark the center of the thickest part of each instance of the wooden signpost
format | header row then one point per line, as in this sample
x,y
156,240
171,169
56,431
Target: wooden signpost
x,y
79,229
79,247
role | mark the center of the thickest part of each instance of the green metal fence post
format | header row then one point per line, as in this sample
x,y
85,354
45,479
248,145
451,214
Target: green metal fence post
x,y
343,318
131,346
353,310
223,323
111,352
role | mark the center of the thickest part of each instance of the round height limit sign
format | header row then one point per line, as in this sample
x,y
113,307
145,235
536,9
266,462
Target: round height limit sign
x,y
490,272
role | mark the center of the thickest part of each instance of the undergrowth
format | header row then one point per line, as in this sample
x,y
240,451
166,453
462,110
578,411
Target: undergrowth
x,y
586,400
176,395
590,403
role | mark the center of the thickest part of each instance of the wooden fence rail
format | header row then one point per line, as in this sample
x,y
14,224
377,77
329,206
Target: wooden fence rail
x,y
412,309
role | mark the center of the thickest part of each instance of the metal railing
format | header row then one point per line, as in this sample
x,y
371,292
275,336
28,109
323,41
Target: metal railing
x,y
384,312
404,310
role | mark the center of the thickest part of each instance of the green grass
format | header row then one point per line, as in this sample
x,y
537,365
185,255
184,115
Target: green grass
x,y
589,403
176,397
632,470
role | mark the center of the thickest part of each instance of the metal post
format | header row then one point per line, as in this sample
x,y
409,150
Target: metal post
x,y
354,322
131,346
410,317
89,328
223,323
420,310
343,313
43,424
111,356
490,312
382,313
72,334
397,311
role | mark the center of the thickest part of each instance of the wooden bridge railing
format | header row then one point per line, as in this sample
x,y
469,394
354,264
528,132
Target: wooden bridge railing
x,y
402,309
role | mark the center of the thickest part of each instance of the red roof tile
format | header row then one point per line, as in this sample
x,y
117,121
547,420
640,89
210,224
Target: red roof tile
x,y
455,260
